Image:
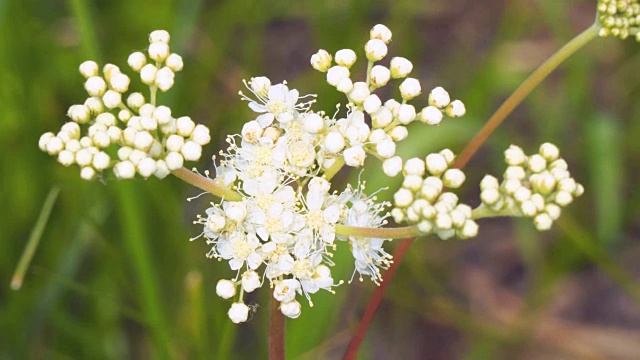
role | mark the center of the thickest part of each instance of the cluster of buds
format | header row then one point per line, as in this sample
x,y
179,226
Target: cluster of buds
x,y
134,135
536,186
422,199
619,18
388,118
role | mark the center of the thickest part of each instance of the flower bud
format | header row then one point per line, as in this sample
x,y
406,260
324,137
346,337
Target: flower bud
x,y
375,49
372,104
543,222
403,198
191,151
291,309
456,109
453,178
386,148
236,211
379,76
135,100
146,167
514,156
406,114
381,32
431,115
95,86
226,289
87,173
174,62
158,51
537,163
148,74
112,99
359,92
439,98
400,67
89,69
174,160
549,151
392,167
399,133
436,164
334,142
414,166
345,57
185,126
119,82
321,61
159,36
382,117
354,156
250,281
164,79
238,313
410,88
345,85
337,73
79,113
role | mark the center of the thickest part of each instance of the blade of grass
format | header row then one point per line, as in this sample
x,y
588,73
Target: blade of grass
x,y
34,239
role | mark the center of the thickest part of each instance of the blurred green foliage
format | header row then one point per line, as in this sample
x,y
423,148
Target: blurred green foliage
x,y
116,277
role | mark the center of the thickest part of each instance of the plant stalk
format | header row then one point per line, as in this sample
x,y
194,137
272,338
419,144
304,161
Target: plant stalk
x,y
206,184
276,330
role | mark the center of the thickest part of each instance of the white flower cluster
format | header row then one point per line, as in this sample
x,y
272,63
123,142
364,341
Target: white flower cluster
x,y
373,126
422,199
132,135
284,228
619,18
536,186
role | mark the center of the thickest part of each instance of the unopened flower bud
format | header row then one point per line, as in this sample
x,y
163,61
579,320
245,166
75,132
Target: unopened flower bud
x,y
291,309
174,62
392,167
456,109
400,67
345,57
431,115
354,156
226,289
321,61
453,178
410,88
375,49
439,98
436,164
406,114
379,76
238,313
399,133
159,36
337,73
549,151
380,32
372,103
88,69
359,92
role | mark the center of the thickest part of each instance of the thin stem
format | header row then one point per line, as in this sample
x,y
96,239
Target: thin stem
x,y
333,169
524,90
206,184
375,300
492,124
276,330
386,233
34,239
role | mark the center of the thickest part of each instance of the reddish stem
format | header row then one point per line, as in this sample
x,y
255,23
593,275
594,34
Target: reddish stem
x,y
376,298
276,331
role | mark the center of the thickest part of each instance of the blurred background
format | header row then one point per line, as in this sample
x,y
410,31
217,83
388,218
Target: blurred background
x,y
115,275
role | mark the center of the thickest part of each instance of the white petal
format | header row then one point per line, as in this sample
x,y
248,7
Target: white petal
x,y
265,119
259,108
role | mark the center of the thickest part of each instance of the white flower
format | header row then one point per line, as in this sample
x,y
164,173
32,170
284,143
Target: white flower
x,y
439,98
238,248
380,76
279,104
250,281
375,49
410,88
381,32
345,57
285,290
400,67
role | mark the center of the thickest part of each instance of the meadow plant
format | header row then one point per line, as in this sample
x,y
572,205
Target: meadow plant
x,y
277,218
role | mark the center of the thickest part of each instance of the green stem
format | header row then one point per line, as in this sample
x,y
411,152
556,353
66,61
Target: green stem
x,y
524,90
369,67
333,169
34,239
206,184
482,212
386,233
